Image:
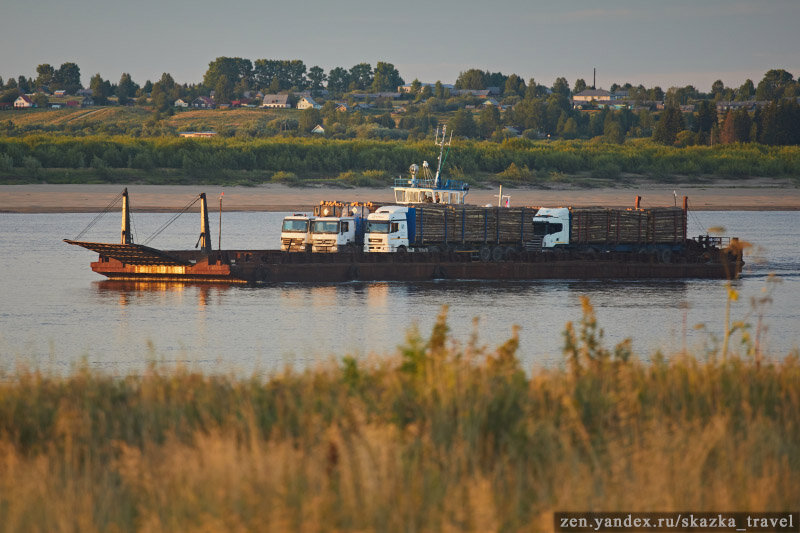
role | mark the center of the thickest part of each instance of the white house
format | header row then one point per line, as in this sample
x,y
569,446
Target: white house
x,y
308,103
318,129
23,102
279,101
180,102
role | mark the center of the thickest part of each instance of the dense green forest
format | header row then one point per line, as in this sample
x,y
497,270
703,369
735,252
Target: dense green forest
x,y
57,158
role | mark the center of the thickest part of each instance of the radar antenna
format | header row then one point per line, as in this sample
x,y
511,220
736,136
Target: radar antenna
x,y
441,143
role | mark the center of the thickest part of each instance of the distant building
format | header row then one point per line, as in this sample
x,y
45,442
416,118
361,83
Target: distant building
x,y
203,102
602,98
23,102
363,96
587,95
276,101
344,108
406,89
200,134
60,93
318,129
180,102
750,105
308,103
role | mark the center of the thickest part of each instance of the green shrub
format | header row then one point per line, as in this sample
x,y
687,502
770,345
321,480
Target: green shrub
x,y
32,166
285,178
6,162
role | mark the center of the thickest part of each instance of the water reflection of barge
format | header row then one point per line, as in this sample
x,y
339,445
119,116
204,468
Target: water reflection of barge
x,y
136,262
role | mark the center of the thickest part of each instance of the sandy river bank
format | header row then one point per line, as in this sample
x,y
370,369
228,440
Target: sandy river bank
x,y
777,195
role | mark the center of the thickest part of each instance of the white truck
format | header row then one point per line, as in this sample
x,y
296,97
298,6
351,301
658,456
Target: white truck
x,y
386,229
659,231
336,234
339,227
495,232
296,233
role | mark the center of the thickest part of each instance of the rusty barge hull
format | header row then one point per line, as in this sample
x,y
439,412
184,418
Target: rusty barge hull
x,y
132,262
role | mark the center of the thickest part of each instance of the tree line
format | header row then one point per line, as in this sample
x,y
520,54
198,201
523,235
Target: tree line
x,y
516,160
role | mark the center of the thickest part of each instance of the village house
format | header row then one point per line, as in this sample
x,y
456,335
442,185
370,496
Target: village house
x,y
197,134
61,93
308,103
750,105
203,102
588,95
276,101
23,102
406,89
318,129
601,98
180,102
480,93
343,108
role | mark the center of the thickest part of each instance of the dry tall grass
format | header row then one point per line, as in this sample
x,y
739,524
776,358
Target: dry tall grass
x,y
442,437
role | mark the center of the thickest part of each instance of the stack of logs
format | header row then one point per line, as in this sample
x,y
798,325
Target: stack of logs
x,y
467,224
659,225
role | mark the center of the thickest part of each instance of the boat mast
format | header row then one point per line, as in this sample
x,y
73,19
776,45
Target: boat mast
x,y
205,234
126,219
437,180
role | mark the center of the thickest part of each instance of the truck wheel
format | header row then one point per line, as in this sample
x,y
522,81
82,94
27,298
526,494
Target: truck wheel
x,y
510,253
666,256
486,254
401,250
498,253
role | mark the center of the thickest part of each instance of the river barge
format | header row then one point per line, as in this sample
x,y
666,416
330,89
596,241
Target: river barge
x,y
708,257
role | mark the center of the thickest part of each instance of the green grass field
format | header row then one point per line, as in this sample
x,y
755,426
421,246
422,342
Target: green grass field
x,y
441,436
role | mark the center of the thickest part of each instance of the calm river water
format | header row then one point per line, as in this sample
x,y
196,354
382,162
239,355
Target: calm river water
x,y
55,312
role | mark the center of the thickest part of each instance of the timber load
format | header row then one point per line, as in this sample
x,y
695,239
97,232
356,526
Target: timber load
x,y
465,224
657,225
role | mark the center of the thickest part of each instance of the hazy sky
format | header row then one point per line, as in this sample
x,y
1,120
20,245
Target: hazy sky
x,y
666,43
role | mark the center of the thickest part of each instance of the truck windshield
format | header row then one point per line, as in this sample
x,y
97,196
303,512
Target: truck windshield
x,y
295,225
325,226
546,228
374,226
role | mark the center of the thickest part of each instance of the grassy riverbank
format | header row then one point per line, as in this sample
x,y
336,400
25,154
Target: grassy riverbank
x,y
442,437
